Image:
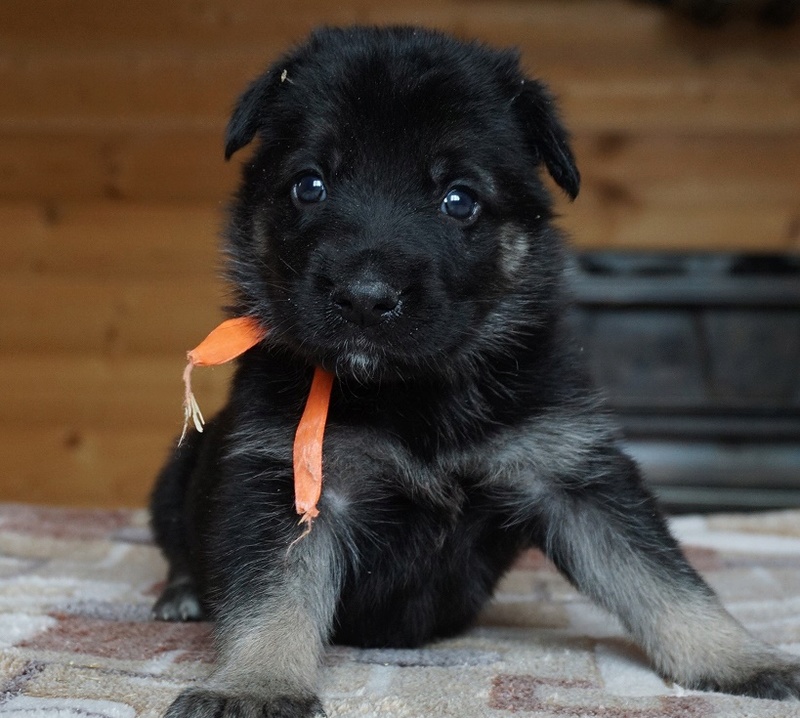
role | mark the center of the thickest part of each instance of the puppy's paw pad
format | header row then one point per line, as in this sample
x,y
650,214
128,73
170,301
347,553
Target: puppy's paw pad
x,y
178,602
205,704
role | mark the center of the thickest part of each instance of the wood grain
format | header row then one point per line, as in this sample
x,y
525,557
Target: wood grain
x,y
161,165
72,465
168,89
101,392
110,240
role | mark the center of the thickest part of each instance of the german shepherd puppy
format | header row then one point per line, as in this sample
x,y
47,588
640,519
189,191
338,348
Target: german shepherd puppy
x,y
392,227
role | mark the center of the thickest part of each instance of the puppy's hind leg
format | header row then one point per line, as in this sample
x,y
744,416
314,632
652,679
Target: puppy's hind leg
x,y
603,530
179,600
271,628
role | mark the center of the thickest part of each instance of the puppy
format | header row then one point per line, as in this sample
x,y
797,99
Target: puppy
x,y
392,227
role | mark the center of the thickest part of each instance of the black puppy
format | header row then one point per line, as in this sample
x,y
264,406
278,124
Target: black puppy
x,y
393,228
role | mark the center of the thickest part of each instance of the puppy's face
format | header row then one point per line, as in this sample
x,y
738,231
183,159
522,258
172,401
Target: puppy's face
x,y
392,220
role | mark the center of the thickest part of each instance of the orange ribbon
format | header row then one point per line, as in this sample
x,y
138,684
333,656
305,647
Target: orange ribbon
x,y
234,337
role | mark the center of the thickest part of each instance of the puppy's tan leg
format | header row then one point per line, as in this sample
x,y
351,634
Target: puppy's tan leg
x,y
271,630
604,532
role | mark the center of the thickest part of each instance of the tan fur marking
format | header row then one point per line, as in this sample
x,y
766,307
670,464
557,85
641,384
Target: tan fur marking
x,y
514,246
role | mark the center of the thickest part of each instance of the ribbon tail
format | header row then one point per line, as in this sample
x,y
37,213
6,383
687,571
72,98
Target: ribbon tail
x,y
191,409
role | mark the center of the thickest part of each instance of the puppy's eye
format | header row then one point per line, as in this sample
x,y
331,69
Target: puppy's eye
x,y
309,189
459,204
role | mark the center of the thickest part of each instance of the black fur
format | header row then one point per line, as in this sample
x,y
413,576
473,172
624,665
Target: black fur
x,y
462,426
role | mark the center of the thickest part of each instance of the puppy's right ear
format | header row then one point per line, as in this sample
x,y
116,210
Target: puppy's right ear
x,y
248,115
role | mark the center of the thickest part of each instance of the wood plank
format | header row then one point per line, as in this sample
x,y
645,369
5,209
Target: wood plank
x,y
117,317
111,240
124,88
23,231
668,102
620,24
575,28
694,193
177,166
207,23
745,167
97,392
134,91
618,31
676,80
594,222
73,465
172,165
50,165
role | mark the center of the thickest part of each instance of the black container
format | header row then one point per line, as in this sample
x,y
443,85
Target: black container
x,y
699,355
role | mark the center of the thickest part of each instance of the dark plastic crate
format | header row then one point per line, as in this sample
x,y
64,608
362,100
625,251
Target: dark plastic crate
x,y
699,354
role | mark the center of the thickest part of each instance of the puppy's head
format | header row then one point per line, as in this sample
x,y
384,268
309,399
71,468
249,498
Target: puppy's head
x,y
392,220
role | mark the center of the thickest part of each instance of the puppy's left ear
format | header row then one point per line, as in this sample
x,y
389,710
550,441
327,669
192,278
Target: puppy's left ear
x,y
249,112
546,136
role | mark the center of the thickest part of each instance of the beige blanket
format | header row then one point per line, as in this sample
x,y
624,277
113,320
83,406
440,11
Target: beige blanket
x,y
76,639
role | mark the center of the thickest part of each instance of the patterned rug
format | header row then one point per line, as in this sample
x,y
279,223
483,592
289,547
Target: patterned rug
x,y
76,641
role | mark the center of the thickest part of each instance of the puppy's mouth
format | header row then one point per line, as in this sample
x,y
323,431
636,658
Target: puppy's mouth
x,y
396,347
361,360
381,350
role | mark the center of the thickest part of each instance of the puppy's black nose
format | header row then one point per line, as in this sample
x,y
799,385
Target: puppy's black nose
x,y
365,302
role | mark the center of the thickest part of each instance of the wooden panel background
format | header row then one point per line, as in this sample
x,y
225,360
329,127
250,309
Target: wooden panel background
x,y
112,184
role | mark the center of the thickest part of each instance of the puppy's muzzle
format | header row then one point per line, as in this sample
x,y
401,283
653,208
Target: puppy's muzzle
x,y
365,301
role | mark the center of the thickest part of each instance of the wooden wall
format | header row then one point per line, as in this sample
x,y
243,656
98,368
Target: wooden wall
x,y
112,182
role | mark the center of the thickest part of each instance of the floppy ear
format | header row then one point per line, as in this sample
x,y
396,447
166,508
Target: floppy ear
x,y
546,136
248,114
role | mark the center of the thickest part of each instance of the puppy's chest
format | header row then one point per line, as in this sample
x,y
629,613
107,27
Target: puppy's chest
x,y
368,468
420,453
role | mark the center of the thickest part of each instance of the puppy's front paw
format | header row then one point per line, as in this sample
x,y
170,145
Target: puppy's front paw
x,y
194,703
779,682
